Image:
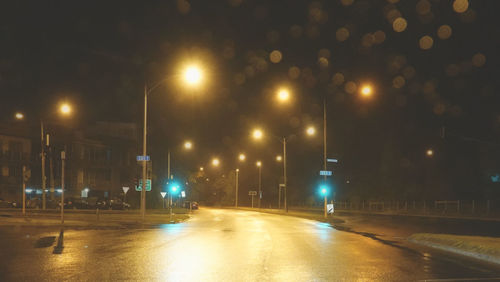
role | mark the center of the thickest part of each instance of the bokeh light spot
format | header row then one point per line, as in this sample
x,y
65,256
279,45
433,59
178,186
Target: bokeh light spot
x,y
478,60
342,34
426,42
444,31
460,6
399,24
275,56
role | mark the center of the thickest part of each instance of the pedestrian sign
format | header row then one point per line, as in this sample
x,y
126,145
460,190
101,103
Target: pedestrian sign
x,y
148,185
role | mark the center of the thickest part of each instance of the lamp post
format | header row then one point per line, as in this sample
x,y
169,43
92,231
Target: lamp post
x,y
192,76
236,188
259,167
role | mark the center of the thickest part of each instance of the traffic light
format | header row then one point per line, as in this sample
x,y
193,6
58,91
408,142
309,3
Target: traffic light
x,y
174,188
323,190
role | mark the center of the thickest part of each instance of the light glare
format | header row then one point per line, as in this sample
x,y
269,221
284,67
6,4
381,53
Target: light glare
x,y
257,134
192,75
19,116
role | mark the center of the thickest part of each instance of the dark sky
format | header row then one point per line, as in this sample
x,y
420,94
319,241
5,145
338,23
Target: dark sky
x,y
99,54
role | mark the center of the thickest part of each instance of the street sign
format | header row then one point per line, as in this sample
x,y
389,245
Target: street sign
x,y
332,160
143,158
325,172
252,193
163,194
125,189
329,208
148,185
282,185
183,194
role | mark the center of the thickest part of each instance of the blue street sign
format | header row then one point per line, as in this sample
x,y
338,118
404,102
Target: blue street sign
x,y
325,172
143,158
332,160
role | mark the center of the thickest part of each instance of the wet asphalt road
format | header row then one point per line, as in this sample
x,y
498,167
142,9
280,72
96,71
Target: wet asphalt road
x,y
223,245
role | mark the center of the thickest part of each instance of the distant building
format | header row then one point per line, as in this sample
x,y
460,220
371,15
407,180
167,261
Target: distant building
x,y
100,159
15,152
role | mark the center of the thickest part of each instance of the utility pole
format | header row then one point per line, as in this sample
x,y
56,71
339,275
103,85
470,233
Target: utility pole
x,y
51,177
260,184
324,149
43,165
324,137
236,195
63,160
24,190
284,174
144,152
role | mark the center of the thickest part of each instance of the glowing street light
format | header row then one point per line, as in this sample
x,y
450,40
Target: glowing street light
x,y
283,95
258,163
257,134
311,131
188,145
279,158
192,75
429,153
19,116
65,109
242,157
215,162
201,168
366,91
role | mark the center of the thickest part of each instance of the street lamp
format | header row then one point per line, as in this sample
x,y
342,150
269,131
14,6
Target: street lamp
x,y
215,162
192,76
429,153
283,95
311,131
242,157
257,134
366,91
19,116
259,166
201,168
237,171
279,158
188,145
65,109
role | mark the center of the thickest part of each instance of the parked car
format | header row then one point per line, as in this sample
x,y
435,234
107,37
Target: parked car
x,y
5,203
118,205
194,205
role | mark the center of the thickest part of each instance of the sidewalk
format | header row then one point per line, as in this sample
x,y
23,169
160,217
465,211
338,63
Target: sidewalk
x,y
90,219
483,248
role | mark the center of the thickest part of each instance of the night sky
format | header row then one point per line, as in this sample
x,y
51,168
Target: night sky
x,y
99,54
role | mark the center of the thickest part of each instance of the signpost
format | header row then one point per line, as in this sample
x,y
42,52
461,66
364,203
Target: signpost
x,y
252,193
163,197
148,185
332,160
125,190
325,172
330,209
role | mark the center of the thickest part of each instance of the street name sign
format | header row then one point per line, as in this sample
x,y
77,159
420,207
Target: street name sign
x,y
143,158
332,160
325,172
252,193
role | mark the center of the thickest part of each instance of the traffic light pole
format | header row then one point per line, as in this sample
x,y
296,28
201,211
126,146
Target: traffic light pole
x,y
44,196
24,190
63,160
324,147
